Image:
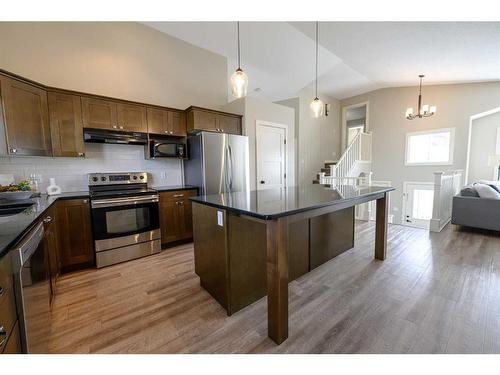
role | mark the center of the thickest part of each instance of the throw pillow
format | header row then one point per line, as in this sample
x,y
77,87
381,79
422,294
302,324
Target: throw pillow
x,y
494,184
486,191
469,191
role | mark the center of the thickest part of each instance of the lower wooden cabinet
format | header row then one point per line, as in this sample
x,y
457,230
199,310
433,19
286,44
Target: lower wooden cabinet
x,y
74,232
176,220
52,245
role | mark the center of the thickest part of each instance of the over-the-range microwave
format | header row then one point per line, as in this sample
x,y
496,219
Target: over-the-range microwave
x,y
167,149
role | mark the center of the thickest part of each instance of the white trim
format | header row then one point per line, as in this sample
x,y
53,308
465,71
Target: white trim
x,y
471,119
405,194
343,130
272,125
440,130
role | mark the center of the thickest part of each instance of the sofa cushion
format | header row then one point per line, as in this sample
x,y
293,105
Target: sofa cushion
x,y
486,191
469,191
494,184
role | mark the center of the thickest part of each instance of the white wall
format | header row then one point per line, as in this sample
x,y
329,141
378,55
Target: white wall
x,y
455,104
483,144
125,60
71,173
254,109
318,139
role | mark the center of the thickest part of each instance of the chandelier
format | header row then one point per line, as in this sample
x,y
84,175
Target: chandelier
x,y
422,110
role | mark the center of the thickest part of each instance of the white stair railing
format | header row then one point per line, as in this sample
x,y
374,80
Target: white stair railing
x,y
446,186
358,150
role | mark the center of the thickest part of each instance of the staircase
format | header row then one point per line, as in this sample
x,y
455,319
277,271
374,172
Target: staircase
x,y
354,162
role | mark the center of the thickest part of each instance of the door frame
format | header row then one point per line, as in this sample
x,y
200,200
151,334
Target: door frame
x,y
403,207
259,123
343,130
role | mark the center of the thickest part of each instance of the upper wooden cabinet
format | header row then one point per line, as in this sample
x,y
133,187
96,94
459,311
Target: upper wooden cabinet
x,y
99,114
201,119
26,118
131,117
66,128
162,121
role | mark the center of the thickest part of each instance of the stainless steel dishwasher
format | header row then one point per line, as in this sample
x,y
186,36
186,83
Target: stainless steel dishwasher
x,y
31,268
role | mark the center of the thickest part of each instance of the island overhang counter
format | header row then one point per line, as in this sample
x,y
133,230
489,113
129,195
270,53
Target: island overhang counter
x,y
252,243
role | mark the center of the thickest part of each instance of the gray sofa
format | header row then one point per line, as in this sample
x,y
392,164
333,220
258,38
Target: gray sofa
x,y
475,212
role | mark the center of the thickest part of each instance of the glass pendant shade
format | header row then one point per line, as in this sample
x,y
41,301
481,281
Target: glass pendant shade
x,y
239,83
317,107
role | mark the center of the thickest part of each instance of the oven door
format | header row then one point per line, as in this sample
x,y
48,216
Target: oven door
x,y
166,150
124,221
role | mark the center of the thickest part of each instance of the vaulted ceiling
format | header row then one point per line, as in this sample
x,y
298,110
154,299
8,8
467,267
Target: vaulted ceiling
x,y
355,57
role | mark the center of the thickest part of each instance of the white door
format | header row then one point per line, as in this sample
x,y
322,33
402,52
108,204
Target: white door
x,y
271,156
418,201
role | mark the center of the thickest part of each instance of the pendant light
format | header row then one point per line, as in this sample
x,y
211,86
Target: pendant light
x,y
422,110
317,105
239,80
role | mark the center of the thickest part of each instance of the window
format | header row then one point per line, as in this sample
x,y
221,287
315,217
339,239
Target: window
x,y
430,147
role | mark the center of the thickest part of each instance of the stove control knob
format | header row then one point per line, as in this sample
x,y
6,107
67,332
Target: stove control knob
x,y
103,178
95,179
141,177
135,177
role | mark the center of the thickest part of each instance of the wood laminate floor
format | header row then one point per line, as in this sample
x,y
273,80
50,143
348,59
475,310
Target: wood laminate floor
x,y
435,293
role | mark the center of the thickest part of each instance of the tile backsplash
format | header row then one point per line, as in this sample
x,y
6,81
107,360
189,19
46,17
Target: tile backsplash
x,y
71,173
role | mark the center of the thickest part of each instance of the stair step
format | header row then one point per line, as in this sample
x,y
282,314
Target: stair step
x,y
315,181
326,170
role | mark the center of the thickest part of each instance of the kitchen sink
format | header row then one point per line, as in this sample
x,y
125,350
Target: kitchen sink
x,y
12,208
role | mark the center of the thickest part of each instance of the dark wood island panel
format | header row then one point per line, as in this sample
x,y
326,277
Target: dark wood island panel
x,y
231,259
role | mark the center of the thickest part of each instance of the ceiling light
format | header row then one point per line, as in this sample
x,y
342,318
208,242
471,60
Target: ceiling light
x,y
239,80
316,105
423,110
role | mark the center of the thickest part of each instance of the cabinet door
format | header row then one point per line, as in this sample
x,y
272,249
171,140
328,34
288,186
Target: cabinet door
x,y
186,214
51,243
169,219
157,121
229,124
132,118
66,128
26,118
99,114
177,123
75,234
204,120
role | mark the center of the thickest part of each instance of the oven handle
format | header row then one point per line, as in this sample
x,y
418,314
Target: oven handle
x,y
124,201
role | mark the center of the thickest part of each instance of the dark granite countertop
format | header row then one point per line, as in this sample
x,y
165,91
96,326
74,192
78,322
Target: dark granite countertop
x,y
174,187
274,203
13,227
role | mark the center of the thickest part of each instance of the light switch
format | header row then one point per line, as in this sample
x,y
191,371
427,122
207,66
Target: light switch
x,y
220,219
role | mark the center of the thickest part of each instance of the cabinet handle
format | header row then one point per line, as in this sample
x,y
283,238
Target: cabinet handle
x,y
85,201
3,333
47,220
115,127
121,127
81,154
13,150
166,131
178,195
1,290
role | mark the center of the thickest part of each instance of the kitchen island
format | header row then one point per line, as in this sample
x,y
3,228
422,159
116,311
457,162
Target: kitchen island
x,y
249,244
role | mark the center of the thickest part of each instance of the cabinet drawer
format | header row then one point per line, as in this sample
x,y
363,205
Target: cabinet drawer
x,y
178,194
8,315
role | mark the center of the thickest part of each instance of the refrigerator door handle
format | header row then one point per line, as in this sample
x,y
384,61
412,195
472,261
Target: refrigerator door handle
x,y
226,170
230,153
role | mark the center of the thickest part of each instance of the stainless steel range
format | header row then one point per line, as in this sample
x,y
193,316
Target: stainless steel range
x,y
125,217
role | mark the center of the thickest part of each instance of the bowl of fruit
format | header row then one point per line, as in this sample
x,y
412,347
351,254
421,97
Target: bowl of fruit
x,y
18,191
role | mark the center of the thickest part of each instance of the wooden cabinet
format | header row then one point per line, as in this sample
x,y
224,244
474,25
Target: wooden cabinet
x,y
176,219
74,234
162,121
8,313
110,115
99,114
52,244
13,344
26,118
201,119
131,117
66,128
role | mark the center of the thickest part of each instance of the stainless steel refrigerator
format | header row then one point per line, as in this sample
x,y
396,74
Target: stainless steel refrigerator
x,y
218,163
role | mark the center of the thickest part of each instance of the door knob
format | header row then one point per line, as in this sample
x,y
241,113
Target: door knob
x,y
262,181
13,150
